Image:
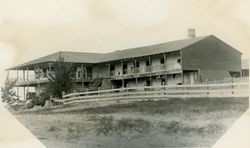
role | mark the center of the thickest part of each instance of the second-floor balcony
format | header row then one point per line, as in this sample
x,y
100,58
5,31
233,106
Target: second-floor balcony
x,y
30,81
146,71
34,79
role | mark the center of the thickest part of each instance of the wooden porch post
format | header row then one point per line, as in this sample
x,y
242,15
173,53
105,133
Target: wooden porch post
x,y
122,73
109,65
165,60
166,79
150,65
135,71
27,73
8,74
39,87
27,80
182,74
49,67
199,74
24,86
150,80
165,67
24,96
97,69
82,75
17,75
182,77
23,75
135,63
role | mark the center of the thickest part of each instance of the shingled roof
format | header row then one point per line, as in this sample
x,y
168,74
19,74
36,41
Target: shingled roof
x,y
152,49
82,57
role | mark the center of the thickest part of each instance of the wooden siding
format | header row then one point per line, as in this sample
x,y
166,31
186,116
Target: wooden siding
x,y
101,70
213,57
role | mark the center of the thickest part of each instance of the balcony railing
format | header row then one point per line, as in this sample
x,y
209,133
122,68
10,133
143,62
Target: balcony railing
x,y
112,73
148,69
43,78
31,81
158,67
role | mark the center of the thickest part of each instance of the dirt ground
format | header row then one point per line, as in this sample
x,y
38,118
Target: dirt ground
x,y
144,124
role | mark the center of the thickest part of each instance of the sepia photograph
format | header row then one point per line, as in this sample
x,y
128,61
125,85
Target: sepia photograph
x,y
124,73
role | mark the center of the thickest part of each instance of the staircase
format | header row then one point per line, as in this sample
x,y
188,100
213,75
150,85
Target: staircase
x,y
95,83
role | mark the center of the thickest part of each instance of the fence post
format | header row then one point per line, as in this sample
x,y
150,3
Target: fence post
x,y
50,98
233,93
63,103
127,90
63,94
86,91
207,88
163,89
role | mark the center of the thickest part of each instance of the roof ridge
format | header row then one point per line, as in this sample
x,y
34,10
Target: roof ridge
x,y
118,50
88,57
80,52
200,37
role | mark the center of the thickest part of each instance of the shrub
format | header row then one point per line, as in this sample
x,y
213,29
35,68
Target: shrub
x,y
52,128
38,100
105,125
138,125
7,93
170,127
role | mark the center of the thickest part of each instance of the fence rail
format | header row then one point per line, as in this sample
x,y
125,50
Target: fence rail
x,y
232,89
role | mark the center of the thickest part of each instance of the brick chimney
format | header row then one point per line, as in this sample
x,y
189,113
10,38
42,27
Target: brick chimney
x,y
191,33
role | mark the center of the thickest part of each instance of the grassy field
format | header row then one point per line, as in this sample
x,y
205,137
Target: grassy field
x,y
167,123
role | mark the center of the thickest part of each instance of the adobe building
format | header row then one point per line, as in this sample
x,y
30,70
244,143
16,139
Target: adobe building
x,y
186,61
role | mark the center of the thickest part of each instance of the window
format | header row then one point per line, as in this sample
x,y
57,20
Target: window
x,y
147,63
137,64
162,61
112,68
179,60
163,81
174,75
245,72
79,74
234,74
125,69
148,83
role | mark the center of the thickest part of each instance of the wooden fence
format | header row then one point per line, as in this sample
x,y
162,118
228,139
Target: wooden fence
x,y
232,89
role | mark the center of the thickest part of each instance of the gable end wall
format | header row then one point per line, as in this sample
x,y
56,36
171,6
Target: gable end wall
x,y
213,57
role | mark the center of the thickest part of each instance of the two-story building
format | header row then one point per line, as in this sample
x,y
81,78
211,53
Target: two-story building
x,y
185,61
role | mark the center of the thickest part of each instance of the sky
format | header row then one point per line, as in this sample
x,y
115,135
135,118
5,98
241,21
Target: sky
x,y
33,28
